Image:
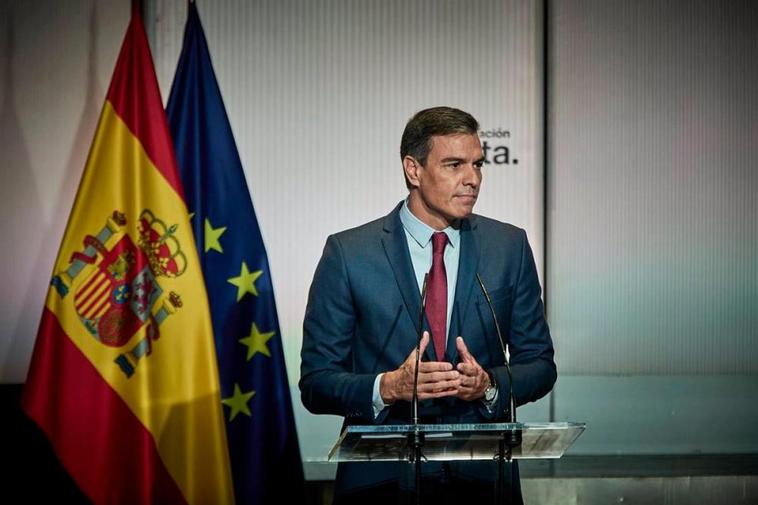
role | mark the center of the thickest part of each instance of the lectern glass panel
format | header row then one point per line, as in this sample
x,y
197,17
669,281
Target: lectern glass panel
x,y
454,442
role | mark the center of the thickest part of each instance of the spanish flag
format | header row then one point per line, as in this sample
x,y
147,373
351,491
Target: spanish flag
x,y
123,379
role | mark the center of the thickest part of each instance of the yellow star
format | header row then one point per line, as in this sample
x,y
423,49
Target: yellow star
x,y
256,342
211,237
245,282
238,402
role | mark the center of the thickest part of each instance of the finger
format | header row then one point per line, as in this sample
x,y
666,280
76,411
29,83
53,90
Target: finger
x,y
438,387
439,394
434,366
422,346
468,369
439,376
463,350
468,386
424,341
468,381
466,391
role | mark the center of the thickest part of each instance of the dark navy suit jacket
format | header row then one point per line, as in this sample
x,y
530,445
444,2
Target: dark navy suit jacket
x,y
362,320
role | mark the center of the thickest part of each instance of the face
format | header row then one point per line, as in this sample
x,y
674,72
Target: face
x,y
446,188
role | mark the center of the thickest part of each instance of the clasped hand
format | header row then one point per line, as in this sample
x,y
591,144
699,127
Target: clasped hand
x,y
436,379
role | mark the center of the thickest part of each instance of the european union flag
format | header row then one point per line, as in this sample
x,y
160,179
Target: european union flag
x,y
260,426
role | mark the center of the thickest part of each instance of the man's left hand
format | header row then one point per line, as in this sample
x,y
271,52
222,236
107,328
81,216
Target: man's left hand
x,y
474,380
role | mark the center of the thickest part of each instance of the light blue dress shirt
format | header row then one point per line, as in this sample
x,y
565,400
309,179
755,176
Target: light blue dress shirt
x,y
419,238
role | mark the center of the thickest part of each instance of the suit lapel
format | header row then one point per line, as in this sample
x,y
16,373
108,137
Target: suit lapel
x,y
468,265
396,248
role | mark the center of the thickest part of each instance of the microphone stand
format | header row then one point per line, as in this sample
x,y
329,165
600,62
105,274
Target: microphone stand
x,y
416,438
512,438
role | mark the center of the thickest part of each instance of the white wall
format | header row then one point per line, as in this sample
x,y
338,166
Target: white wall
x,y
56,64
652,257
653,187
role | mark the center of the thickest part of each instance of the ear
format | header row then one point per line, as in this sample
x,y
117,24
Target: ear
x,y
411,167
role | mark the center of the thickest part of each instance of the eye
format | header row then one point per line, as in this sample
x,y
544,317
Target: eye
x,y
479,164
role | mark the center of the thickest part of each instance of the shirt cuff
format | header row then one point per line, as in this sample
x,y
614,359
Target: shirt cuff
x,y
378,403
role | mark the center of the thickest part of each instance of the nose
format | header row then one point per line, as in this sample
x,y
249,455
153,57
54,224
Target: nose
x,y
472,177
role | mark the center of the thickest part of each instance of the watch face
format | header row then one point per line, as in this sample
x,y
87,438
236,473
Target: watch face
x,y
489,394
491,391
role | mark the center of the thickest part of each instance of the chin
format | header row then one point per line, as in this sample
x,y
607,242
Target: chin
x,y
461,213
465,210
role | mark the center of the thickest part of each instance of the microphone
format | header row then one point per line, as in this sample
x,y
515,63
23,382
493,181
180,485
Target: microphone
x,y
511,399
415,437
418,349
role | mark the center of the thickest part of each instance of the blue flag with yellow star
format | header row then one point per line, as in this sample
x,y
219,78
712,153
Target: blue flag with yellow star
x,y
263,446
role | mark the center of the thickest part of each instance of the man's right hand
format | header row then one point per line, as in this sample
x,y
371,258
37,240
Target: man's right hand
x,y
435,378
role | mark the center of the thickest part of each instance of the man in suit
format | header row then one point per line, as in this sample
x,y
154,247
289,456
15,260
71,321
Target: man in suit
x,y
361,321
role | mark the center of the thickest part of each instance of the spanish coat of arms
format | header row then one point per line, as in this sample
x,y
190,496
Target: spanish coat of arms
x,y
123,293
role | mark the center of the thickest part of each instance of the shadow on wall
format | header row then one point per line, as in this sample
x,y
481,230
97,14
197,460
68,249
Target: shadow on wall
x,y
19,200
31,238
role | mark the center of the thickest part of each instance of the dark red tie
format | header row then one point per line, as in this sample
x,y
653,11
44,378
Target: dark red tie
x,y
436,303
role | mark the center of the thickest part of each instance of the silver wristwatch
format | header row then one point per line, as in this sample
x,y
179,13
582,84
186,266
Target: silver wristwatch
x,y
491,391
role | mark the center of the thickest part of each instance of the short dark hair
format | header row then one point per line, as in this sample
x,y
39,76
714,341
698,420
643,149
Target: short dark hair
x,y
417,137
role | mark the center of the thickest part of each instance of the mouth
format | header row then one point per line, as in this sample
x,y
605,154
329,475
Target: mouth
x,y
467,197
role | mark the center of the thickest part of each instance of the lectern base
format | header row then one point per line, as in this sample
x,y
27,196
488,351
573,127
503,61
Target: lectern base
x,y
437,490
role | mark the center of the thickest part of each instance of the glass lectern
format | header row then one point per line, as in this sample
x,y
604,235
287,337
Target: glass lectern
x,y
454,442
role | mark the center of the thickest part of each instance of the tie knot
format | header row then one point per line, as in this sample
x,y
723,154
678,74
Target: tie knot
x,y
439,241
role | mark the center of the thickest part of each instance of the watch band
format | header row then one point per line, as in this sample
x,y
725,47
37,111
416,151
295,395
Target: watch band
x,y
491,375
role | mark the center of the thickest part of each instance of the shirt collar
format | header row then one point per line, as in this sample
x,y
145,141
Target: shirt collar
x,y
422,232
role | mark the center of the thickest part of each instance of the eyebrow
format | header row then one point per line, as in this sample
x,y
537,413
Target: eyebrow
x,y
459,160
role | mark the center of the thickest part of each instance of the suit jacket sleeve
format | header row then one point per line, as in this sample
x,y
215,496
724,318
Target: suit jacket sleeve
x,y
327,382
530,346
